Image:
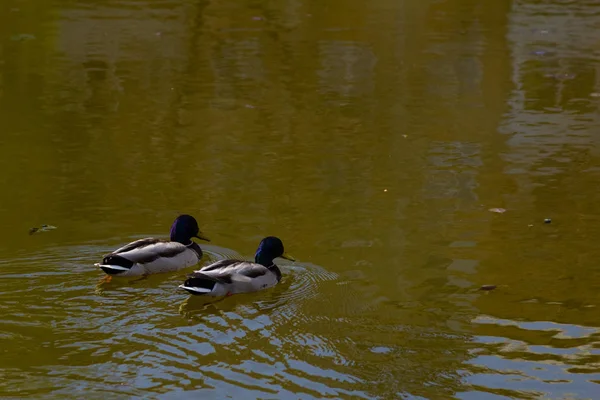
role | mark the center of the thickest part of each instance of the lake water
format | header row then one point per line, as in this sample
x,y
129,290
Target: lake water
x,y
373,137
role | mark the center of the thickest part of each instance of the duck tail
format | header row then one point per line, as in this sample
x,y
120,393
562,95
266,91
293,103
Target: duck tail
x,y
115,265
199,283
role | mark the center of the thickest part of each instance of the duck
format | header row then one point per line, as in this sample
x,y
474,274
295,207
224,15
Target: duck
x,y
228,277
152,256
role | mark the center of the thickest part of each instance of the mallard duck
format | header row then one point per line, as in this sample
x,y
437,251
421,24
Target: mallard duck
x,y
153,256
227,277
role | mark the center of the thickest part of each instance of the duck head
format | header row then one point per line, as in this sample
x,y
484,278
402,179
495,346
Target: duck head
x,y
269,249
185,228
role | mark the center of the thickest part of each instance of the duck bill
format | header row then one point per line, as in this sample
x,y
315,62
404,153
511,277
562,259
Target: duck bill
x,y
288,257
201,236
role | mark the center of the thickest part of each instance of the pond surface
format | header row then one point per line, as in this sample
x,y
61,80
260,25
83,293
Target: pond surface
x,y
373,137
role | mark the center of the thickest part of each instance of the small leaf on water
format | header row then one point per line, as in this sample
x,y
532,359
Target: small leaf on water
x,y
43,228
21,37
488,287
497,210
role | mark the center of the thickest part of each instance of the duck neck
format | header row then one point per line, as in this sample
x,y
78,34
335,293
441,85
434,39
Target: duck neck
x,y
263,259
187,242
267,261
276,270
183,239
195,247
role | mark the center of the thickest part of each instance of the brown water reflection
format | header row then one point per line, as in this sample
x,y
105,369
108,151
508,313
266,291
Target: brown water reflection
x,y
372,137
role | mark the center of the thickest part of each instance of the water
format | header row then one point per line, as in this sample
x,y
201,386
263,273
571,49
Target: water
x,y
372,137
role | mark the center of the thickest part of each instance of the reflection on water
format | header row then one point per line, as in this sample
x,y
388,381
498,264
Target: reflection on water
x,y
372,137
536,358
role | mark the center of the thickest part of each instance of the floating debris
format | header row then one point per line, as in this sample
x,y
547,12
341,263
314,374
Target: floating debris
x,y
547,220
22,37
497,210
488,287
43,228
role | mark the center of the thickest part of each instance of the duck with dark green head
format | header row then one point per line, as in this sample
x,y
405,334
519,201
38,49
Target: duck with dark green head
x,y
227,277
152,256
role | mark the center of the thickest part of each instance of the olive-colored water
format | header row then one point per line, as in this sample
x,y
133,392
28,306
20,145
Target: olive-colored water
x,y
371,136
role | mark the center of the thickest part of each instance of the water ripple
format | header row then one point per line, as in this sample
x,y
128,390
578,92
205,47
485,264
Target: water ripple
x,y
536,357
126,336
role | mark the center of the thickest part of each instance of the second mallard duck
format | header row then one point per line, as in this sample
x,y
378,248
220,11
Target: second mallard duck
x,y
227,277
152,256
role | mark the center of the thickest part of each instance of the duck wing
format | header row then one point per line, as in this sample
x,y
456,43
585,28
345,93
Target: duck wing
x,y
144,251
136,244
231,268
